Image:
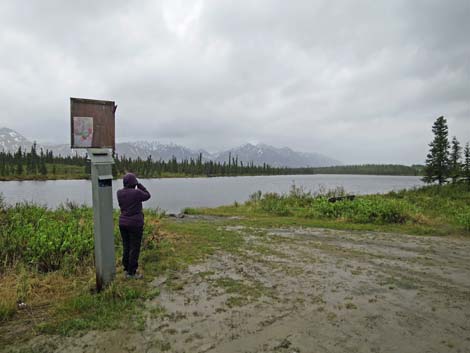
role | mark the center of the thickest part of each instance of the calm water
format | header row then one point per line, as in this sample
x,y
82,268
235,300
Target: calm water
x,y
175,194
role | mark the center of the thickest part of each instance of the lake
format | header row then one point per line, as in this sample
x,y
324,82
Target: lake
x,y
173,195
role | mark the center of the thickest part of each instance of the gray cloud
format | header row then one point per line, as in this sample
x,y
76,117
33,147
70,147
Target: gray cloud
x,y
361,81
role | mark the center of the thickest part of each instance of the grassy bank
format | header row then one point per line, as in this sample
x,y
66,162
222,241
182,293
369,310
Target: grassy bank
x,y
431,210
46,256
47,275
46,270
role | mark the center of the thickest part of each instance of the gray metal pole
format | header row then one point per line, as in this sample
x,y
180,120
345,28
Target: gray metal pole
x,y
102,190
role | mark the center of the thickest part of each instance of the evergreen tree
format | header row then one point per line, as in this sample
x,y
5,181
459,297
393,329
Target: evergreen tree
x,y
3,165
34,158
455,156
437,161
19,168
42,167
466,164
19,161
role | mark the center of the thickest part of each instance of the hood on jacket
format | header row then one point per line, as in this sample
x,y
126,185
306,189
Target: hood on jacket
x,y
129,180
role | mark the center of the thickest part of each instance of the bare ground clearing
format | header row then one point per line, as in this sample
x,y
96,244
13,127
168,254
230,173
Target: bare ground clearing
x,y
306,290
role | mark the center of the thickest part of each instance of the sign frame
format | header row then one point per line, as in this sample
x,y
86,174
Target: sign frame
x,y
101,132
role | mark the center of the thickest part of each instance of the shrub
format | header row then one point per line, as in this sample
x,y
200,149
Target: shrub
x,y
255,197
363,210
275,204
42,238
463,218
366,209
49,240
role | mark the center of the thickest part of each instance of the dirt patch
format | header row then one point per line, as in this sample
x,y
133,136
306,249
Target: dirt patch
x,y
306,290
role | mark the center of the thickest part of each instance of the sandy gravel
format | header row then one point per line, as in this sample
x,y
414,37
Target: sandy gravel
x,y
308,290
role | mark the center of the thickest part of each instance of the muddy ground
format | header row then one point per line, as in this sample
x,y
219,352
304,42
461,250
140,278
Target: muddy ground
x,y
306,290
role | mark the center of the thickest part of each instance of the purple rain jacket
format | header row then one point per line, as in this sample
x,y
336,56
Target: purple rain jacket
x,y
130,202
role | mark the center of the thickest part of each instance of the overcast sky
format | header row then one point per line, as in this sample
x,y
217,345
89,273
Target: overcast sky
x,y
360,81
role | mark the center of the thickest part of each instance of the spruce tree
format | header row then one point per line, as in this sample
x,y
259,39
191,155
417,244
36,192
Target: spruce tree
x,y
2,164
19,168
42,167
466,164
455,156
437,161
19,161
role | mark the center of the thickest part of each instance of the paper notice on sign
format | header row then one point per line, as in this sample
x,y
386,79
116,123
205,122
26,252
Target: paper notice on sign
x,y
82,131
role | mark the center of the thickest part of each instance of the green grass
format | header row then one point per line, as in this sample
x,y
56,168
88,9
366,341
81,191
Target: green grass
x,y
432,210
191,242
102,310
46,260
46,256
45,239
178,245
62,239
7,310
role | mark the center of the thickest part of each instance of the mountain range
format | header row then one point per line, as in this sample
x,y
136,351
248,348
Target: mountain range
x,y
11,140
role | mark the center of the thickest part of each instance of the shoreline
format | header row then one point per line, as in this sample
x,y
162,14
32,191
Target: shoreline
x,y
38,178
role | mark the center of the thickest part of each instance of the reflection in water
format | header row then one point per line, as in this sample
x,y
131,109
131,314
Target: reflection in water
x,y
175,194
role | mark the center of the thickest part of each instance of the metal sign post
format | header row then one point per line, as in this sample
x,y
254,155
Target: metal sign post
x,y
92,126
101,181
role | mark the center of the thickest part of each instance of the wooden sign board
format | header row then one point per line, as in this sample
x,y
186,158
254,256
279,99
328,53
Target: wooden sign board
x,y
92,123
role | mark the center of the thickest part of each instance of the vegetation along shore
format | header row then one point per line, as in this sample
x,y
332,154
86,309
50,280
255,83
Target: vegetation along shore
x,y
46,256
44,165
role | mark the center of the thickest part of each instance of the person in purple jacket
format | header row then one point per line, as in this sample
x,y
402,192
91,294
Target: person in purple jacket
x,y
131,222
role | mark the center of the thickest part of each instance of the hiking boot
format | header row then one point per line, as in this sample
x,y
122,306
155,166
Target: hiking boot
x,y
134,276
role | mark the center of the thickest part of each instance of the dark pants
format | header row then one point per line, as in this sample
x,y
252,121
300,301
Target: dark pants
x,y
131,240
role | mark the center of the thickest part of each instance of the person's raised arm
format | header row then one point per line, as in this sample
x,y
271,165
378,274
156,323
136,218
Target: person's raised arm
x,y
144,192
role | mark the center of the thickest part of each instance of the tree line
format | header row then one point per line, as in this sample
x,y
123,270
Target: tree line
x,y
150,168
445,161
370,169
43,164
34,163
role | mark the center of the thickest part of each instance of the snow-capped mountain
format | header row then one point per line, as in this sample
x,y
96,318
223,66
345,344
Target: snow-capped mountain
x,y
276,157
11,140
157,150
259,154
